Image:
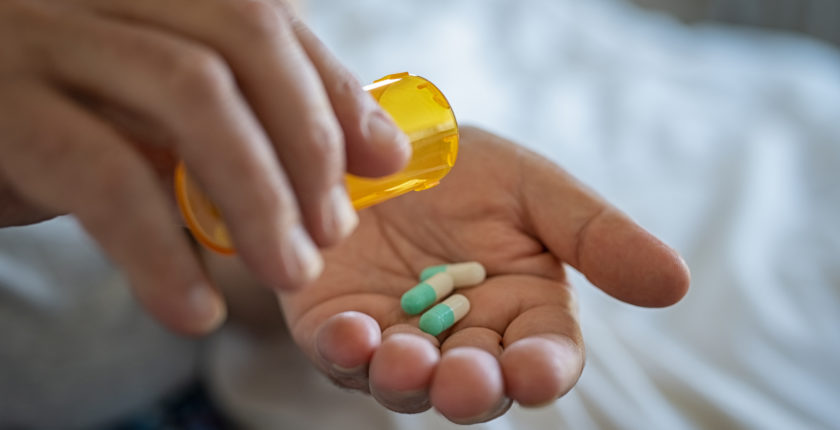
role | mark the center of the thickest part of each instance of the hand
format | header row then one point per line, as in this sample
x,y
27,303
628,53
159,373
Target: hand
x,y
98,97
523,218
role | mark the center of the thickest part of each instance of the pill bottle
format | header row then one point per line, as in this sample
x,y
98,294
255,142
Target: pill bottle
x,y
417,107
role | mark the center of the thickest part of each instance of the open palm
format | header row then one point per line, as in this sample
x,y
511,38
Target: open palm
x,y
524,219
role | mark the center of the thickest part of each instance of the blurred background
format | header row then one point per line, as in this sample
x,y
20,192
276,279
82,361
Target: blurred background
x,y
715,124
817,18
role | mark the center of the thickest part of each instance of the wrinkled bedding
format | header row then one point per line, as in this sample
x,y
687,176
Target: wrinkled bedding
x,y
725,142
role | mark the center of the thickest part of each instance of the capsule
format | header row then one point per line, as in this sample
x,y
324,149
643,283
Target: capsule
x,y
463,274
444,314
426,293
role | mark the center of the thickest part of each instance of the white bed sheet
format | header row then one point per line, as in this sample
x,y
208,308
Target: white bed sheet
x,y
724,142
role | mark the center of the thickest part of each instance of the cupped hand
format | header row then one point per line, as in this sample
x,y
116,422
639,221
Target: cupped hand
x,y
99,99
524,218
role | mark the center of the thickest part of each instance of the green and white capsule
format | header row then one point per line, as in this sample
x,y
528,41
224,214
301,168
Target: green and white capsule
x,y
444,314
426,293
463,274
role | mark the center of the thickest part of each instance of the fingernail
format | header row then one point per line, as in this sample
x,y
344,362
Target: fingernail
x,y
355,378
349,371
339,217
303,262
500,408
383,132
206,307
407,402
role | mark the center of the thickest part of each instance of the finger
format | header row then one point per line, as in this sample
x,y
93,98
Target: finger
x,y
375,146
191,91
345,344
154,144
504,325
340,333
543,354
79,165
543,348
612,251
307,318
468,386
404,371
401,366
401,371
344,288
281,85
541,368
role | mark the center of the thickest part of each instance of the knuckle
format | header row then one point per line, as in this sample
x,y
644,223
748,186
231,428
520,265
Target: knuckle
x,y
116,184
346,85
257,19
288,213
271,192
325,144
200,76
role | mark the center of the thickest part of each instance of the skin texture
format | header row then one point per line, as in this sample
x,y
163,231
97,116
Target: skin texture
x,y
525,219
268,122
100,98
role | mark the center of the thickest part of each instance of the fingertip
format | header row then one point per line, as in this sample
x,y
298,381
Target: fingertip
x,y
393,146
403,362
341,217
385,148
376,146
286,264
345,344
675,281
666,278
207,307
301,259
468,386
348,340
400,372
384,134
539,369
632,265
192,311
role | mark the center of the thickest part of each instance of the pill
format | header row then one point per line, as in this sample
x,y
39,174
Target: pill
x,y
426,293
463,274
444,314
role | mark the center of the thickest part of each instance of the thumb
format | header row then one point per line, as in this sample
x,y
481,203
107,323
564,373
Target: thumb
x,y
605,245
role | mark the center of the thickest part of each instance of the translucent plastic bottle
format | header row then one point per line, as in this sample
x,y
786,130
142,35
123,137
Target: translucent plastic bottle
x,y
418,108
